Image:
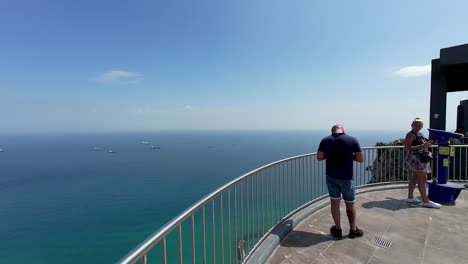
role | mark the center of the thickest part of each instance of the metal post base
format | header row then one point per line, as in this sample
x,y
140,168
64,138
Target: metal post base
x,y
444,193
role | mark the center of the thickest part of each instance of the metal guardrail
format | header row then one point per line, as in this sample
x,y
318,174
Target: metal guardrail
x,y
226,225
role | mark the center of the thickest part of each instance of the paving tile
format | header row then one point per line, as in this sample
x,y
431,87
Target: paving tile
x,y
349,251
373,222
411,233
411,217
325,260
414,220
284,251
437,256
417,240
279,259
302,227
456,244
377,260
304,258
402,250
458,229
314,252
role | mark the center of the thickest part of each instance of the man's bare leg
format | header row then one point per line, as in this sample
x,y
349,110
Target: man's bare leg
x,y
351,213
335,211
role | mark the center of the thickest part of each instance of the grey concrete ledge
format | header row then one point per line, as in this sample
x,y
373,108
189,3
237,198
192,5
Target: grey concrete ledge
x,y
265,249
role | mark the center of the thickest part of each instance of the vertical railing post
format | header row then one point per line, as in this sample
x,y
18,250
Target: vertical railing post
x,y
203,235
179,242
193,238
221,226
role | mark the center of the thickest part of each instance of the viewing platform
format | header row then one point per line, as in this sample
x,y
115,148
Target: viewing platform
x,y
412,233
280,213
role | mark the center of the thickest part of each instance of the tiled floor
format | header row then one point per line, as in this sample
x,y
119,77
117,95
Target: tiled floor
x,y
418,234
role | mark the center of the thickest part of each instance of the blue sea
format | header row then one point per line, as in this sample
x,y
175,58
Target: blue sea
x,y
63,202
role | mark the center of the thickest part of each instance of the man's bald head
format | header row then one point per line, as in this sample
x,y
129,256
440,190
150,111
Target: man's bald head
x,y
337,129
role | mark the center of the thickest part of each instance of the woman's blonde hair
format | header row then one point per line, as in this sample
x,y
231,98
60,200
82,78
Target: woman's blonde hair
x,y
418,120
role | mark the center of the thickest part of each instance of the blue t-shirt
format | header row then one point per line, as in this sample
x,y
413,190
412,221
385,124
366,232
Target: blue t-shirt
x,y
339,150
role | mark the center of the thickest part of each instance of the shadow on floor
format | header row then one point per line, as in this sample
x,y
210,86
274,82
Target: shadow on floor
x,y
391,204
304,239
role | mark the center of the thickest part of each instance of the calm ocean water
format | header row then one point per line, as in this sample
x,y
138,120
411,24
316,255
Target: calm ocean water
x,y
63,202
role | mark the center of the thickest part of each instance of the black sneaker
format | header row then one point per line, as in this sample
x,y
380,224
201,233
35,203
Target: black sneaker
x,y
356,233
335,232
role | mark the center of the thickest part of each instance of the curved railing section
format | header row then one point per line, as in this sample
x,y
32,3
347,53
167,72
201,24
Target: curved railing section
x,y
226,225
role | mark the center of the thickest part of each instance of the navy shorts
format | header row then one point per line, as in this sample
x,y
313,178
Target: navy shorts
x,y
339,187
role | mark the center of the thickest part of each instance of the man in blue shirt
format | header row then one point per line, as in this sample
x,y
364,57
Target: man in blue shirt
x,y
340,150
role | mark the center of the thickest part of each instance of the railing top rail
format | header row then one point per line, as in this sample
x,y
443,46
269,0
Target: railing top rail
x,y
152,240
157,236
383,147
401,146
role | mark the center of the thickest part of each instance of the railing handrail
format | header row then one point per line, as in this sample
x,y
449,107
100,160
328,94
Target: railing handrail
x,y
140,250
156,237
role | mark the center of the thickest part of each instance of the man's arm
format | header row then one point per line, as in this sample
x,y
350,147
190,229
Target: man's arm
x,y
320,155
359,157
321,150
358,154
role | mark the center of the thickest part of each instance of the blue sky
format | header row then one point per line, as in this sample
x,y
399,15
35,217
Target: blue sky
x,y
77,66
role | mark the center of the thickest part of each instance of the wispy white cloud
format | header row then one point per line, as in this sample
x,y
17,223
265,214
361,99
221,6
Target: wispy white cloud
x,y
188,108
116,76
414,71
